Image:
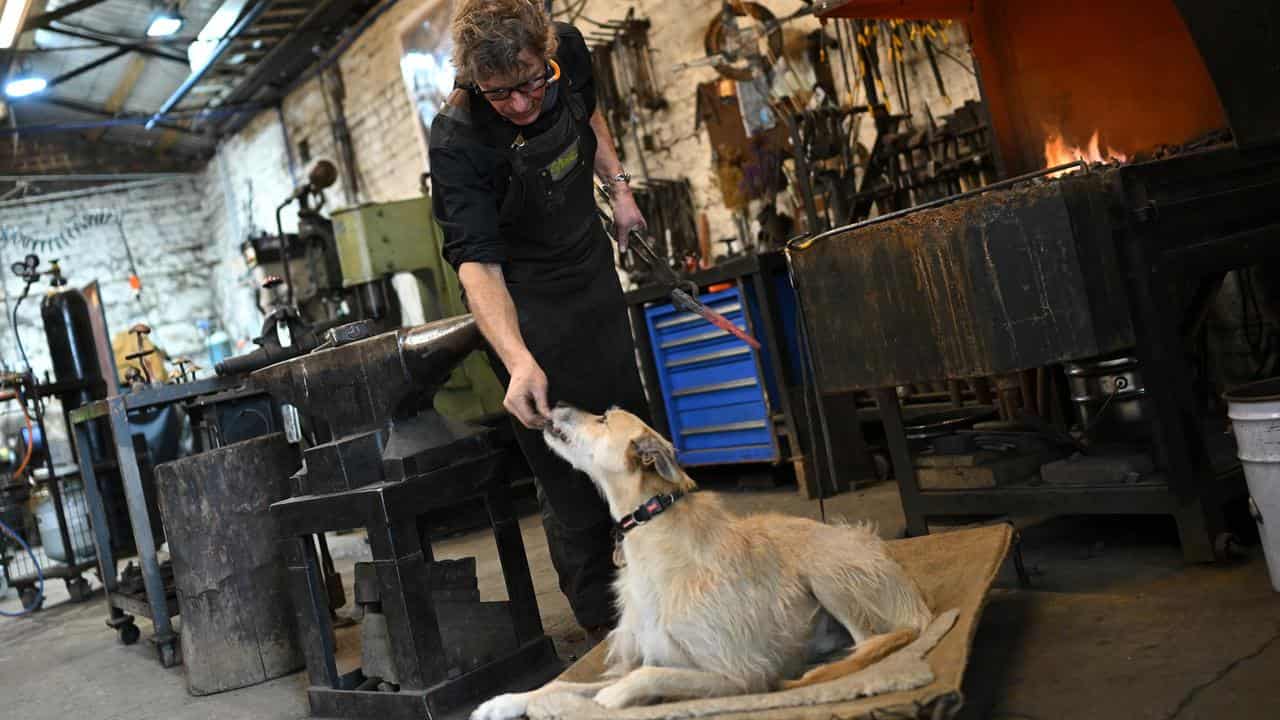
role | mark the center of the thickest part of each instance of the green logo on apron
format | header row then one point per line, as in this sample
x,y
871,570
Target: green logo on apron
x,y
561,166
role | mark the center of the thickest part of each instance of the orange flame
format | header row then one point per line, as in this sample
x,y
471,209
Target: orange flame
x,y
1058,152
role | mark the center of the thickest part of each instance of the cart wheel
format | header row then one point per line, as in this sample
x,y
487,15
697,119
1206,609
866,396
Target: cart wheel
x,y
129,634
1226,546
78,589
31,599
168,653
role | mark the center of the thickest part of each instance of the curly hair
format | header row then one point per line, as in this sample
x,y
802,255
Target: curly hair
x,y
488,35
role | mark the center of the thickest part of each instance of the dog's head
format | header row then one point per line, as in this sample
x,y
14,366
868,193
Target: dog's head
x,y
620,453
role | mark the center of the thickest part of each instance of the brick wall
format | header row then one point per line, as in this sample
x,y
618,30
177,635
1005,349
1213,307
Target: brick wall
x,y
252,169
165,224
46,155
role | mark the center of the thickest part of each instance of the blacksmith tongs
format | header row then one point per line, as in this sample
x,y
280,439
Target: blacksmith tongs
x,y
681,298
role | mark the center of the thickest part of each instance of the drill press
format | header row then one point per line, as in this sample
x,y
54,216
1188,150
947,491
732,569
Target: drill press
x,y
380,457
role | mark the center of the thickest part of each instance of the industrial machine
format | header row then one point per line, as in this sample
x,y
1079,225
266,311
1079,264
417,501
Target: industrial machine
x,y
382,458
378,240
379,262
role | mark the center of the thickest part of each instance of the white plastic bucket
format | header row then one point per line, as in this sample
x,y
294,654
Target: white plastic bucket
x,y
1254,410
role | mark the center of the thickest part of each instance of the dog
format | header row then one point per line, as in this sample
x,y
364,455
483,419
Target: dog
x,y
712,604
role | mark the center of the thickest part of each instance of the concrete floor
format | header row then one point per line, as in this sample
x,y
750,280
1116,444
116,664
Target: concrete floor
x,y
1114,627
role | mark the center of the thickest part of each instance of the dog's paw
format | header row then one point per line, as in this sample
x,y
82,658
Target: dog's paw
x,y
502,707
615,697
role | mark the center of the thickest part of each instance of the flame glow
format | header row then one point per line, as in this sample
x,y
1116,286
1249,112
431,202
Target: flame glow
x,y
1058,152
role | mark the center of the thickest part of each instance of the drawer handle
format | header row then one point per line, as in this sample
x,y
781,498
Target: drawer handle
x,y
726,427
719,354
686,318
714,387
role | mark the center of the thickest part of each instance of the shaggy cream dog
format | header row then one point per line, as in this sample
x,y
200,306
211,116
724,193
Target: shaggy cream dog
x,y
713,604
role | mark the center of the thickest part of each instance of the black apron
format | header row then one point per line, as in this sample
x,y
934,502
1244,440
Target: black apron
x,y
568,300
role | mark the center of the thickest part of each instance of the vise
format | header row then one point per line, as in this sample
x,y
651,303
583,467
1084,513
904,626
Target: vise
x,y
379,456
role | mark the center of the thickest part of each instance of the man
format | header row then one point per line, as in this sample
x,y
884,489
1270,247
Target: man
x,y
512,158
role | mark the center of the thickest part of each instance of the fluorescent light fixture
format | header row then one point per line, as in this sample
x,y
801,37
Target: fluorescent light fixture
x,y
224,18
12,16
24,86
164,24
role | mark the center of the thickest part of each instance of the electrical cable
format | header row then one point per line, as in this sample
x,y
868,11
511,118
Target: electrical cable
x,y
39,573
13,322
135,282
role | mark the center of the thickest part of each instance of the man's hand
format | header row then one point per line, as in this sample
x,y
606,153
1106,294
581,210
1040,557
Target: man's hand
x,y
527,394
626,216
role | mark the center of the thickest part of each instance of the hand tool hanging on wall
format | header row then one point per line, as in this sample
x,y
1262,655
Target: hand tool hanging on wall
x,y
897,44
734,50
933,63
608,96
626,85
668,209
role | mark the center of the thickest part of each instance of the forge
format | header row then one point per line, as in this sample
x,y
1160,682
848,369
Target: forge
x,y
1164,112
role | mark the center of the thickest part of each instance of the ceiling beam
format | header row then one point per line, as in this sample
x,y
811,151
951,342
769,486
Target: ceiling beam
x,y
92,65
96,111
109,119
291,55
115,102
243,24
43,20
13,14
57,158
138,47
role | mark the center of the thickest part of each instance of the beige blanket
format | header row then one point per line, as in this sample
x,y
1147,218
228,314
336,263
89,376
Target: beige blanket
x,y
955,571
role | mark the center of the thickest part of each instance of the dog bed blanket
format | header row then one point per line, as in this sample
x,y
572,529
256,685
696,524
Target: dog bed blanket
x,y
953,569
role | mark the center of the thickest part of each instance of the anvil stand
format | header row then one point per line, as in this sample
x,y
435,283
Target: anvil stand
x,y
428,650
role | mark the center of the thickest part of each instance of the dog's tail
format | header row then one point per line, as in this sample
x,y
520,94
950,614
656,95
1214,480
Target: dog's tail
x,y
867,653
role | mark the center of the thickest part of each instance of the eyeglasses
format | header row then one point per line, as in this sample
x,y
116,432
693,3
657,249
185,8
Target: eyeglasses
x,y
526,88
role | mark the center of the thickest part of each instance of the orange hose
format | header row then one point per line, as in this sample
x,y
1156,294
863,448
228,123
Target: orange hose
x,y
30,439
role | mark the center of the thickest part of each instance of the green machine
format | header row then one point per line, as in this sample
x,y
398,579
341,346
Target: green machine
x,y
376,240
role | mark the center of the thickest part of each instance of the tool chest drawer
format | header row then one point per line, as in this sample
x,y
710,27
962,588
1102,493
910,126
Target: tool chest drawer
x,y
712,384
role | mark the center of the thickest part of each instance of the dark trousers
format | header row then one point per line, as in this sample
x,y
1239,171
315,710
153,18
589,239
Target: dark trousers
x,y
583,560
593,368
581,545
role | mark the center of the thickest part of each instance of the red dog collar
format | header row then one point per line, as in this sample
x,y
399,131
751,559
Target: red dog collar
x,y
655,505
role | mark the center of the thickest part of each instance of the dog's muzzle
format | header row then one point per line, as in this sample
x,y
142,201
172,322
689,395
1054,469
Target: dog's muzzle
x,y
554,431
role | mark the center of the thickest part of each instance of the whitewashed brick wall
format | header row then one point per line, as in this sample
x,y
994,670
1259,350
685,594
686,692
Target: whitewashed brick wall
x,y
251,169
166,224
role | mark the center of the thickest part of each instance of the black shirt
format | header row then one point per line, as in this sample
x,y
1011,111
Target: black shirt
x,y
469,171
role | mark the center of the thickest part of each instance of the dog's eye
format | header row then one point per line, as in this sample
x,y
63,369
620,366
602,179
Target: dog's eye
x,y
601,420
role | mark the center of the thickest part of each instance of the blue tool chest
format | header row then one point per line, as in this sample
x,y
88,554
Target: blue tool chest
x,y
714,386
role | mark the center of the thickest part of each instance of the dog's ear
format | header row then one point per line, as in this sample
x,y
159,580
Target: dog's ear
x,y
654,452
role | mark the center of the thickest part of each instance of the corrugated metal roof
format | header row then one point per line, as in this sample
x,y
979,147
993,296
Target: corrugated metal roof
x,y
72,100
125,19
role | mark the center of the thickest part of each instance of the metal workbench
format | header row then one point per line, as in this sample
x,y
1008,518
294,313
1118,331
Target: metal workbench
x,y
1169,229
157,602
